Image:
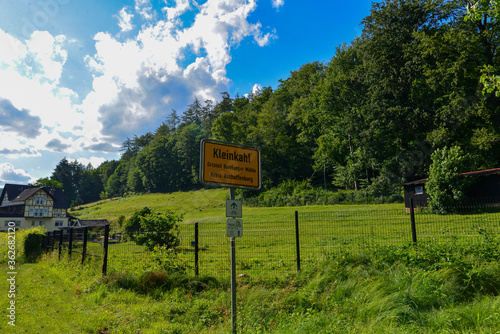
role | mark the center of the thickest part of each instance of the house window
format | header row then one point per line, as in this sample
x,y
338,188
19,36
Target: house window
x,y
41,223
8,223
33,223
419,190
40,200
59,223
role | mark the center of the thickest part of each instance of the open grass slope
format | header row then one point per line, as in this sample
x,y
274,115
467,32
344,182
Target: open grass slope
x,y
207,205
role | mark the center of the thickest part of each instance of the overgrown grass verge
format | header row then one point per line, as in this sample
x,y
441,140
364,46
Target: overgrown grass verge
x,y
390,289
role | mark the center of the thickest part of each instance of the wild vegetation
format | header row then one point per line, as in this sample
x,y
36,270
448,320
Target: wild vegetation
x,y
430,287
369,119
436,288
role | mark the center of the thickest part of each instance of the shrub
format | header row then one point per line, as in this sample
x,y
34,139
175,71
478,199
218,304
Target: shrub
x,y
152,280
159,229
28,243
167,260
32,246
446,187
133,224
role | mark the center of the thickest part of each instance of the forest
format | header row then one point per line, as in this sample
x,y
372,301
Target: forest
x,y
420,77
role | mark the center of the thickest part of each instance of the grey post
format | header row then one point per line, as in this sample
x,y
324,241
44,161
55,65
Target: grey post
x,y
233,274
196,250
413,226
297,241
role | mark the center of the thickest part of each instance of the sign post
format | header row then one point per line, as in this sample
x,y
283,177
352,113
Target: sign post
x,y
231,165
233,274
234,166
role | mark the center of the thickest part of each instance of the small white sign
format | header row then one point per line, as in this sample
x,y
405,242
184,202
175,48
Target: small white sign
x,y
233,208
234,227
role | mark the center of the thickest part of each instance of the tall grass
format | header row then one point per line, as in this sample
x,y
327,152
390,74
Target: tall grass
x,y
451,286
432,288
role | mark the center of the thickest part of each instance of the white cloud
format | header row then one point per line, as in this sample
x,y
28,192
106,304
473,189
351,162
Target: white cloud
x,y
34,106
12,49
174,12
9,174
278,3
256,89
162,64
166,63
48,52
144,8
94,161
125,20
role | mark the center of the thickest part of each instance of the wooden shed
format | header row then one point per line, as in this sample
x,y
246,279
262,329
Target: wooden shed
x,y
485,189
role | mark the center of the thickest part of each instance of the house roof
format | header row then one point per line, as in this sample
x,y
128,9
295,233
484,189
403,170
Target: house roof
x,y
485,172
18,193
12,191
92,222
27,193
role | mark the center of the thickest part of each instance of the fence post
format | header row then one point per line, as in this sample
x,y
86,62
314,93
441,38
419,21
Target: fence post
x,y
45,241
53,241
412,217
70,244
105,252
297,242
84,249
60,243
196,249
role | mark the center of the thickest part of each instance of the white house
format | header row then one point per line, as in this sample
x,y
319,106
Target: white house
x,y
28,206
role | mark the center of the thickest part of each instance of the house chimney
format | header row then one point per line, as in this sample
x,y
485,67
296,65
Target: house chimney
x,y
52,191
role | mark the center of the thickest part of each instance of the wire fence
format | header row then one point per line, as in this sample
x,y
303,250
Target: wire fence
x,y
275,248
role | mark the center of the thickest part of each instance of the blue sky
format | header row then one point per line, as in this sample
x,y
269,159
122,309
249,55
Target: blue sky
x,y
79,77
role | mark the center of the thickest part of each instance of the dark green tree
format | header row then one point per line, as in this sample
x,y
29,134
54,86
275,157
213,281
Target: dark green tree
x,y
46,182
117,183
90,185
158,165
69,174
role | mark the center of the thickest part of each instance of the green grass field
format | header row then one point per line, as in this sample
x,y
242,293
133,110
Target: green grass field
x,y
360,273
268,246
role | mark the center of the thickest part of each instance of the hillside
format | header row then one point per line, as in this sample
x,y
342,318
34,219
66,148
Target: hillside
x,y
201,205
194,204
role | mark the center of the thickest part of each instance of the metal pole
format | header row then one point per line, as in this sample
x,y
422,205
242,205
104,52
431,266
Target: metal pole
x,y
52,241
70,244
60,243
105,251
297,242
84,249
413,226
196,249
233,275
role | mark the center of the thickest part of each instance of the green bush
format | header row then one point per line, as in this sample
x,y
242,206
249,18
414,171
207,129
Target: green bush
x,y
151,280
166,259
446,187
32,246
298,193
133,224
28,243
159,229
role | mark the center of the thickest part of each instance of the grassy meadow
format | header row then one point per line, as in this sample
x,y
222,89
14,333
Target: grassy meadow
x,y
449,282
